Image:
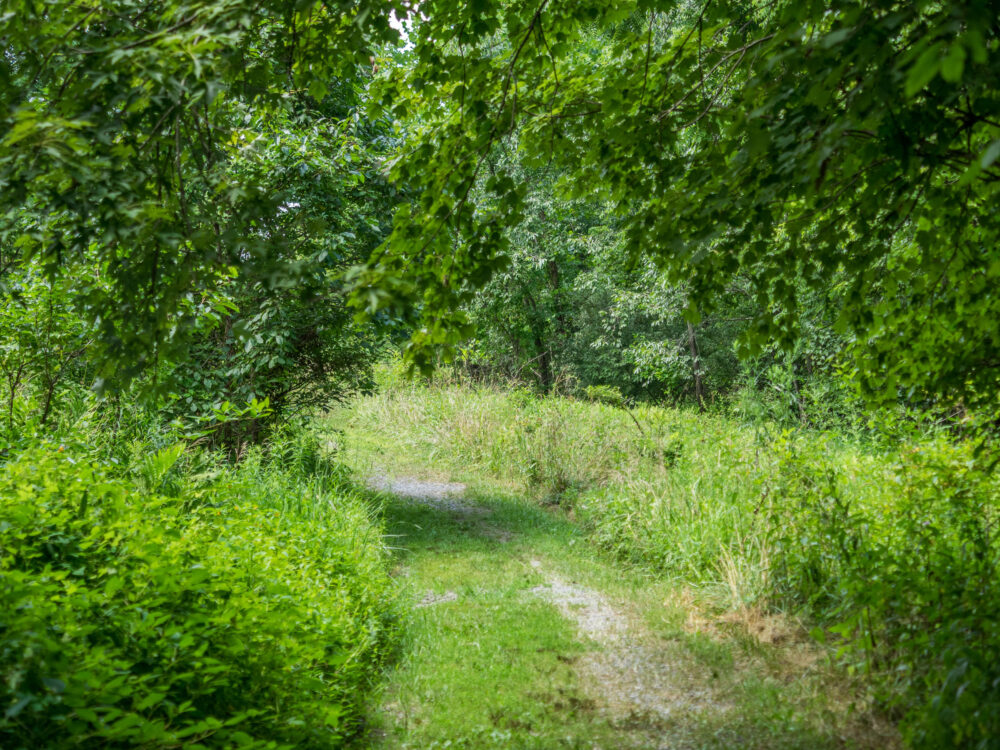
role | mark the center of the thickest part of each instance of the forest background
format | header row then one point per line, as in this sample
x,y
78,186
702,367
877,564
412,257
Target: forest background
x,y
219,218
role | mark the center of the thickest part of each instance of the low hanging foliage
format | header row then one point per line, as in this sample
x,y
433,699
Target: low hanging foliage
x,y
799,146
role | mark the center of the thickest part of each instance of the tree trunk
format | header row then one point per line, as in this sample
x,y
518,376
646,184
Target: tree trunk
x,y
560,308
544,365
699,391
544,354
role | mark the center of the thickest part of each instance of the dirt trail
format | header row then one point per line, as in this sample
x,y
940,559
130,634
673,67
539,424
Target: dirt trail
x,y
628,675
594,617
443,496
437,494
632,675
623,687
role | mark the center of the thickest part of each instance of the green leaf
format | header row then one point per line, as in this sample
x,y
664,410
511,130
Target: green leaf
x,y
990,154
953,63
923,70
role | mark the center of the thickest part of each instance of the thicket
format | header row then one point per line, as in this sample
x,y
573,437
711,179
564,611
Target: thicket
x,y
884,539
156,595
215,214
182,191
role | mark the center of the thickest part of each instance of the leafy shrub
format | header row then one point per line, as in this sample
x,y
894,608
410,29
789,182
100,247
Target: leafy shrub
x,y
604,394
220,617
904,562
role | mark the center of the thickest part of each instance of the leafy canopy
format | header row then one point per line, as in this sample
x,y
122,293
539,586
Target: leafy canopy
x,y
805,146
125,132
840,146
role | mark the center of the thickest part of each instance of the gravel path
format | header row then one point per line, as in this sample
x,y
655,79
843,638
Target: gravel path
x,y
444,496
627,675
438,494
651,689
594,617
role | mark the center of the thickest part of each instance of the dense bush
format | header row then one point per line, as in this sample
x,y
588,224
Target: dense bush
x,y
234,608
904,561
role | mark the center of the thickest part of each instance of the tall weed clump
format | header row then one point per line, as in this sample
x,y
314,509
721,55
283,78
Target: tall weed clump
x,y
228,607
901,562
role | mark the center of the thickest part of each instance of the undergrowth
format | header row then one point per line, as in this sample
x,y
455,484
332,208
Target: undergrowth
x,y
155,595
887,545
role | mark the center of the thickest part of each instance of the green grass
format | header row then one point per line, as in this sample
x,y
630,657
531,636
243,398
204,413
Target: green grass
x,y
672,494
478,669
884,544
492,665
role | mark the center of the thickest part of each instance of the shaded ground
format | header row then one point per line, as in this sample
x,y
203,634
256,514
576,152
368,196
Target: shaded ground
x,y
523,637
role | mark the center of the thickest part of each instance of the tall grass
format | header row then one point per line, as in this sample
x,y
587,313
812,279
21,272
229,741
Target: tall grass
x,y
889,546
669,488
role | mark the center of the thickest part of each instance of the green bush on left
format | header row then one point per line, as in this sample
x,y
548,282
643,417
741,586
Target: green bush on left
x,y
128,618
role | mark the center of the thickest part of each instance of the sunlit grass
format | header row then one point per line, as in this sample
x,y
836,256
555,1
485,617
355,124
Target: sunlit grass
x,y
579,486
878,544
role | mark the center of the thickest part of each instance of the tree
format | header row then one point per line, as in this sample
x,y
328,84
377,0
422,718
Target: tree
x,y
123,126
294,342
799,145
527,316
